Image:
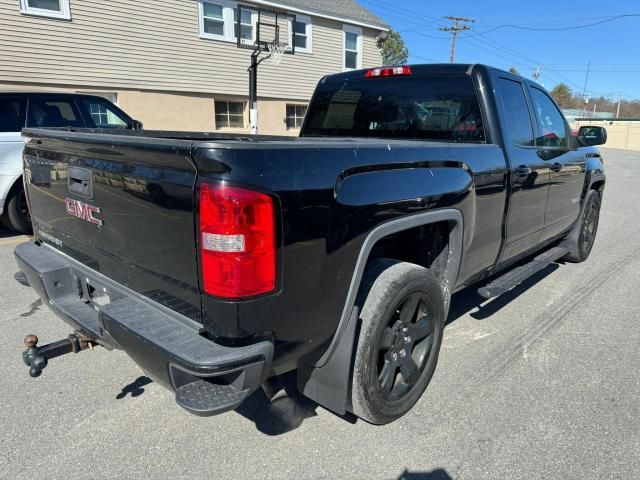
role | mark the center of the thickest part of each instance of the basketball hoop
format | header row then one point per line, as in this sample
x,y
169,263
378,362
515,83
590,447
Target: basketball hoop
x,y
276,52
269,29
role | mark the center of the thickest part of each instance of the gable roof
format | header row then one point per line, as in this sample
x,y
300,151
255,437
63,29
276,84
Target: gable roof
x,y
347,10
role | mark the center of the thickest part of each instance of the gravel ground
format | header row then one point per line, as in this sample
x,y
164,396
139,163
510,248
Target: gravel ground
x,y
543,382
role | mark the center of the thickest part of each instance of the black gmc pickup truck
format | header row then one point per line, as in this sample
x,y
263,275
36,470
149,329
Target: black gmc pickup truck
x,y
220,263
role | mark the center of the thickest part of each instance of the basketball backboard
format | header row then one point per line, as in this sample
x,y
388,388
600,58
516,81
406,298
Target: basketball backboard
x,y
261,29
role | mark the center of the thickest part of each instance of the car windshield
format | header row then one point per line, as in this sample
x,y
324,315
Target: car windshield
x,y
12,114
431,107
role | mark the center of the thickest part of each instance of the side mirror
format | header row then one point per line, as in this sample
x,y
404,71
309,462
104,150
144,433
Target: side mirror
x,y
136,125
591,136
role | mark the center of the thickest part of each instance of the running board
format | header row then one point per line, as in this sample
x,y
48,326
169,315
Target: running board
x,y
515,277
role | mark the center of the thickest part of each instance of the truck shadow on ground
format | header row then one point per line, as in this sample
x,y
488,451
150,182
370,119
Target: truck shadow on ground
x,y
437,474
6,233
279,416
135,388
468,299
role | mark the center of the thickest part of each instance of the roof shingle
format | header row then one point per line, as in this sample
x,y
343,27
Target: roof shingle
x,y
348,9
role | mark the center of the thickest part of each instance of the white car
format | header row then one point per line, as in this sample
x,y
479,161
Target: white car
x,y
44,109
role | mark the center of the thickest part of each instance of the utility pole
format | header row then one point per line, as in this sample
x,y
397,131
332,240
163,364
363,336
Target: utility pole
x,y
620,97
458,26
537,73
584,90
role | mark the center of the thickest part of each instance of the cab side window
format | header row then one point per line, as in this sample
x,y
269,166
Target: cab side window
x,y
517,115
53,113
551,123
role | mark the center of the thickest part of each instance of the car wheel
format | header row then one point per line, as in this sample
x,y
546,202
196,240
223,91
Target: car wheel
x,y
16,215
588,228
401,326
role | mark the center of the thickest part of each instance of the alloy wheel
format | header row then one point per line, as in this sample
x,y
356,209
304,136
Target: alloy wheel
x,y
405,347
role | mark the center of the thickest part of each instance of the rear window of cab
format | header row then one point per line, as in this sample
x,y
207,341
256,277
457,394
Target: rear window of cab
x,y
430,107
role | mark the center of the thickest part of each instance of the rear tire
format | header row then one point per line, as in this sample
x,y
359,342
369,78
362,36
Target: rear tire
x,y
588,227
16,212
401,326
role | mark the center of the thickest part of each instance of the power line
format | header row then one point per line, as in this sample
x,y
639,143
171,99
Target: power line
x,y
433,60
459,25
488,42
485,43
594,71
406,11
524,26
574,27
554,20
505,53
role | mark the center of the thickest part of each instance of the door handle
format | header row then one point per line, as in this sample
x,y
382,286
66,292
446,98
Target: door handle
x,y
556,167
523,170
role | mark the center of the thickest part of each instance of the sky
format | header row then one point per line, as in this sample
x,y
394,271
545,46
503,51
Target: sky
x,y
562,50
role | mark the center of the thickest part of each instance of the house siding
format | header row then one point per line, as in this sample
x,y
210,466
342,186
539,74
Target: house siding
x,y
154,45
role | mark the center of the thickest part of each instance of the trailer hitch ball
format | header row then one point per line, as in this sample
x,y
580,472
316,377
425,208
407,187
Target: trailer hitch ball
x,y
36,358
31,356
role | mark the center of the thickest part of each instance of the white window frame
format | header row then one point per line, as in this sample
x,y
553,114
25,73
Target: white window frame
x,y
254,25
358,31
229,115
295,116
64,12
308,32
228,19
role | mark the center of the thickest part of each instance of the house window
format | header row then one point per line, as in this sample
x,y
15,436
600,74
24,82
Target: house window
x,y
302,32
219,21
104,115
247,23
216,19
352,47
229,114
295,115
46,8
213,19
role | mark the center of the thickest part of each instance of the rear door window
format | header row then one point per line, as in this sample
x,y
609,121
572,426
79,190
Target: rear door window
x,y
53,113
517,115
12,114
431,107
103,114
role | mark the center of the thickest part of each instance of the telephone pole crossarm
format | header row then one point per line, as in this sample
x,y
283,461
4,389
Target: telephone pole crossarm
x,y
459,25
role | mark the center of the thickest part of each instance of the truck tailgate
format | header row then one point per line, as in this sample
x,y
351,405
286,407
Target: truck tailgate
x,y
123,206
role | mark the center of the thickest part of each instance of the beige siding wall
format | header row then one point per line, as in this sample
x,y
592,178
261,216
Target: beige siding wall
x,y
155,45
167,111
620,134
370,53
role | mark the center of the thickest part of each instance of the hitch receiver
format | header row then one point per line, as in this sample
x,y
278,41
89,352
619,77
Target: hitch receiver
x,y
37,358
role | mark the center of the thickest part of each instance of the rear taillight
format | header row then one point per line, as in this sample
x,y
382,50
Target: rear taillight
x,y
388,72
237,241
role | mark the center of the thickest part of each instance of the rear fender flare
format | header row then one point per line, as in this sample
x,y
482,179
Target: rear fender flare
x,y
327,381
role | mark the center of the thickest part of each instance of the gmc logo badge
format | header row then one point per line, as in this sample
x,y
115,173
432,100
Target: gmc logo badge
x,y
82,210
